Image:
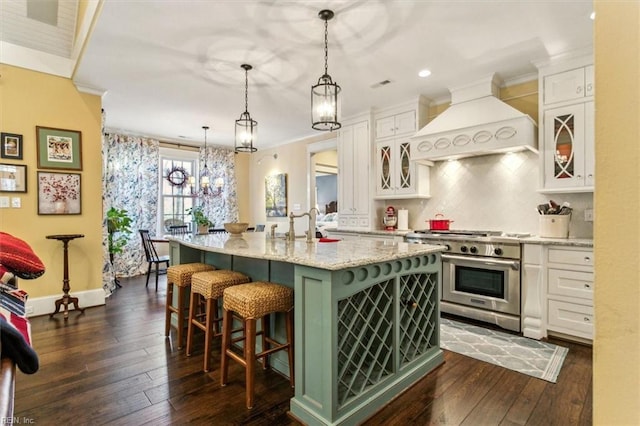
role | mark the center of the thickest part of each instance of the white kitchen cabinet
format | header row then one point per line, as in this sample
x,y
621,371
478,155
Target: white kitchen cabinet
x,y
354,159
570,85
396,124
396,175
567,137
534,295
569,147
367,236
570,288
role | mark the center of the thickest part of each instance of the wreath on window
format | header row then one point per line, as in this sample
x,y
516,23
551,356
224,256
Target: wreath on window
x,y
178,176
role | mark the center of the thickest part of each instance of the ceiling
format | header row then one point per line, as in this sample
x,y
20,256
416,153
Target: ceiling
x,y
167,68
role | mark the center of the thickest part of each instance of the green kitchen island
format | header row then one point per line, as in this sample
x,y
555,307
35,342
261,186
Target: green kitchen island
x,y
366,315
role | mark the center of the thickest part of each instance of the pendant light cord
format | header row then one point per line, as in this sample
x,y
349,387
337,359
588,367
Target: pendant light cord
x,y
326,48
205,146
246,90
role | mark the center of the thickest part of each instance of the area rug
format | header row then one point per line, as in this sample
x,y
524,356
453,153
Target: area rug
x,y
538,359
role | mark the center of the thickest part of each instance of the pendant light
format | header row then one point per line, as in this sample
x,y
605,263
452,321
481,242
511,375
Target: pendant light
x,y
324,95
246,127
205,175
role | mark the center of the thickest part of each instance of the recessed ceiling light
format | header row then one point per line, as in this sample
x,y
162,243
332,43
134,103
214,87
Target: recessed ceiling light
x,y
592,16
424,73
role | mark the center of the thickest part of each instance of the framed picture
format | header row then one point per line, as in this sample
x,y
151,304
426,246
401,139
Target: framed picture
x,y
275,195
11,146
13,178
59,148
59,193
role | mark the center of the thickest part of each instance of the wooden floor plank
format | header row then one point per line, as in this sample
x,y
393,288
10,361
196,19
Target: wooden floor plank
x,y
112,365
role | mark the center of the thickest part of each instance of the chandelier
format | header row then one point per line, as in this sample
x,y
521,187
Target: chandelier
x,y
246,127
324,95
205,175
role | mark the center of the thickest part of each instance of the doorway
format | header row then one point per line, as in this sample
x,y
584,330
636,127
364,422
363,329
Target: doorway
x,y
323,176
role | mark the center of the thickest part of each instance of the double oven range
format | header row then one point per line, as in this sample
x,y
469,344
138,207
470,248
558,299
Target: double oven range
x,y
480,274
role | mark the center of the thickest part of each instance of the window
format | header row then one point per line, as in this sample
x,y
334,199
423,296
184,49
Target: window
x,y
176,169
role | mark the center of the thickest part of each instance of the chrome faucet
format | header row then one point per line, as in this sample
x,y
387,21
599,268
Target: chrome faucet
x,y
273,230
291,235
313,214
311,233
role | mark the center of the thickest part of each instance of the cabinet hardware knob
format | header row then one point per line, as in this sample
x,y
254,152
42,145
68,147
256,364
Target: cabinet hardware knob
x,y
587,259
590,176
589,87
579,89
587,286
409,303
586,319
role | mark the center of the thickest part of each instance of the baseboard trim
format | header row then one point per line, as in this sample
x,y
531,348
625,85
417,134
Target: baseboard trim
x,y
45,305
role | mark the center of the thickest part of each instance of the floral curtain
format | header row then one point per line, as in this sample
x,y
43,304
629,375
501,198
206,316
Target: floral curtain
x,y
223,206
130,182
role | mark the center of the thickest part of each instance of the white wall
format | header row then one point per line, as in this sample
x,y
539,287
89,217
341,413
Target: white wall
x,y
293,159
492,192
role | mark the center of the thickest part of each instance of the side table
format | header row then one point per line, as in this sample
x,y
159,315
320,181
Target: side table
x,y
66,299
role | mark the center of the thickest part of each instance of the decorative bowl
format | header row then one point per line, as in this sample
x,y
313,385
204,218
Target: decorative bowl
x,y
236,228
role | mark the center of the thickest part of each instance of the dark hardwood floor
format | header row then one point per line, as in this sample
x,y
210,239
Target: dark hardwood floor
x,y
112,365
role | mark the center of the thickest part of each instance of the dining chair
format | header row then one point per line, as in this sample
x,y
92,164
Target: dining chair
x,y
168,223
152,256
178,229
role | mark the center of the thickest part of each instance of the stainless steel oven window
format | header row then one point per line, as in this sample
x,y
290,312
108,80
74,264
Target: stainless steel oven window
x,y
484,282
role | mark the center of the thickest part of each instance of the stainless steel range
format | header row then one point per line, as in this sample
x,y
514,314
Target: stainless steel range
x,y
480,274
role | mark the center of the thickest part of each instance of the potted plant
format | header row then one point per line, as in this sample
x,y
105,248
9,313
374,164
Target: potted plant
x,y
203,222
118,227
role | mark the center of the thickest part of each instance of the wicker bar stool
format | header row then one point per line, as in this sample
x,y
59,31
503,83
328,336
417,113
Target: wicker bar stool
x,y
251,302
209,286
180,275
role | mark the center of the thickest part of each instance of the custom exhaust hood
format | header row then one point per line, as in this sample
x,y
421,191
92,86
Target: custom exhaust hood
x,y
476,123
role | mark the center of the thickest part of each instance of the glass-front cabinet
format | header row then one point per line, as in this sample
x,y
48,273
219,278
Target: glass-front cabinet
x,y
394,168
568,149
566,128
396,175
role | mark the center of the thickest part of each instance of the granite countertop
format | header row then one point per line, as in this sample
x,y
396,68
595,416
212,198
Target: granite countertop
x,y
370,232
571,242
533,239
324,255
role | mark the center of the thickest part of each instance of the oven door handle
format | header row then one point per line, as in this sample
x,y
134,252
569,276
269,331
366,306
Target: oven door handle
x,y
514,264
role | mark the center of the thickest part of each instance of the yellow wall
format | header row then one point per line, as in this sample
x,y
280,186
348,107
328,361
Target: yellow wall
x,y
29,99
242,187
521,96
616,370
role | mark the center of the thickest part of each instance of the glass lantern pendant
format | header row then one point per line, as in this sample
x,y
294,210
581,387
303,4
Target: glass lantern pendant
x,y
205,175
246,127
324,95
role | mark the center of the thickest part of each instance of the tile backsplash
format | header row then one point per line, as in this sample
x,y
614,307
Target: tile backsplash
x,y
492,192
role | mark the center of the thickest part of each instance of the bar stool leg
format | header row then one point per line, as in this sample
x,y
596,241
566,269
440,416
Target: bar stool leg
x,y
192,314
227,322
266,328
208,334
250,358
181,292
289,326
167,321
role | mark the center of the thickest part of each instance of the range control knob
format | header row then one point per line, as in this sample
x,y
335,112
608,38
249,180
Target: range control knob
x,y
497,251
473,249
448,247
463,249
